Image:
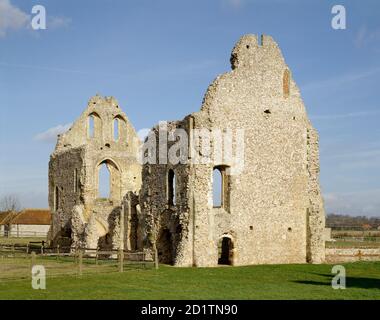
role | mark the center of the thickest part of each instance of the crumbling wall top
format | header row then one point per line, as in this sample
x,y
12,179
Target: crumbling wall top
x,y
252,51
102,124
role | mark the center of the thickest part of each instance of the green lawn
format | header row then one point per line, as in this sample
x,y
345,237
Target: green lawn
x,y
251,282
15,240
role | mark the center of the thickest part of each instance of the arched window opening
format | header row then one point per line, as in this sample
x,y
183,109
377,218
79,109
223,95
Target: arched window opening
x,y
94,125
119,128
104,182
171,188
286,83
225,251
56,198
220,188
91,126
217,188
108,178
116,129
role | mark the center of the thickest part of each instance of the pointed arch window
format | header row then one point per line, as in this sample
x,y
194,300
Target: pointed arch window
x,y
220,187
94,125
104,182
116,129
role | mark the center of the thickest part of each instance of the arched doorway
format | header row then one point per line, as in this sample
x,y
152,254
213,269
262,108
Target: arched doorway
x,y
225,248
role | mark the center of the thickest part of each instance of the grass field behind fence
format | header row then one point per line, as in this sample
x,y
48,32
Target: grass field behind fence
x,y
14,240
352,244
138,281
301,281
20,267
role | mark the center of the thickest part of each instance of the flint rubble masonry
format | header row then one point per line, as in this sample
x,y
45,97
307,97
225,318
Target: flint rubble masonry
x,y
271,211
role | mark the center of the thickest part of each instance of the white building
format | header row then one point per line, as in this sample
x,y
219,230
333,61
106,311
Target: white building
x,y
26,223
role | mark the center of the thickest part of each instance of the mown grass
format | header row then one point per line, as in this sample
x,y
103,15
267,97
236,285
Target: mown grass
x,y
15,240
301,281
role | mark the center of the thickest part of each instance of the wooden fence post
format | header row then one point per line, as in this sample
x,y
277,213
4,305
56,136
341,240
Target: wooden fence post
x,y
80,261
155,257
121,260
96,256
33,258
57,251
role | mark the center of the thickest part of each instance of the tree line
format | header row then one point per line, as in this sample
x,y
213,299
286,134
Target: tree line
x,y
355,222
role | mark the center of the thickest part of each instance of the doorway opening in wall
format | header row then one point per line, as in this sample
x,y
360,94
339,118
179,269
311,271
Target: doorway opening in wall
x,y
105,242
165,247
225,247
104,182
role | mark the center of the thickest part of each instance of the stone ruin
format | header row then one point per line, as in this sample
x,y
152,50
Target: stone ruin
x,y
270,209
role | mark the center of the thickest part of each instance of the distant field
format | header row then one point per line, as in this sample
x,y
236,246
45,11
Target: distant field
x,y
354,239
352,244
252,282
355,233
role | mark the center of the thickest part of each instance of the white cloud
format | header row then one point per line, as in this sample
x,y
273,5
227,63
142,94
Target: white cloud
x,y
51,134
346,115
365,37
354,160
341,80
11,18
235,3
57,22
143,133
366,202
232,4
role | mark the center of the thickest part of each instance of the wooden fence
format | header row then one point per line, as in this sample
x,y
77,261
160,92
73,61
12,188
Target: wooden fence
x,y
78,259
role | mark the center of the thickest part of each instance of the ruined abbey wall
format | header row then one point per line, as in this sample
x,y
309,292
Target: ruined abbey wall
x,y
93,140
271,208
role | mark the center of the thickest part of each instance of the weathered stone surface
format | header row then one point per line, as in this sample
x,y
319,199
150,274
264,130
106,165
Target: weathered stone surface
x,y
272,209
79,213
275,210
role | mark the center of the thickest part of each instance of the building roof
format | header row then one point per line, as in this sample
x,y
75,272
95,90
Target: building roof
x,y
32,216
6,216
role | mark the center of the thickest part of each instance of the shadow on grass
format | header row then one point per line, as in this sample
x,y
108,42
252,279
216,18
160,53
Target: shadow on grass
x,y
351,282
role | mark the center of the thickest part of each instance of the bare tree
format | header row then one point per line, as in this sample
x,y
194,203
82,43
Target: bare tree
x,y
10,203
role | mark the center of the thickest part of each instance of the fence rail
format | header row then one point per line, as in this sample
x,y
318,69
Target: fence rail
x,y
66,260
357,239
23,234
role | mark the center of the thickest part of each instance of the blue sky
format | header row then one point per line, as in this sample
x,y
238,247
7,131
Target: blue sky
x,y
158,57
